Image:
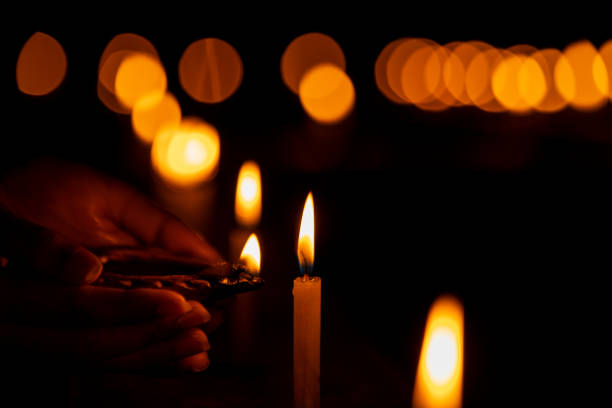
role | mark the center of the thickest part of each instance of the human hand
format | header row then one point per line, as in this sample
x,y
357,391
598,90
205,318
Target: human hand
x,y
65,210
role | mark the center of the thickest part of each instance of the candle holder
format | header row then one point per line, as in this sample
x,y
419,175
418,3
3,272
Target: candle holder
x,y
193,278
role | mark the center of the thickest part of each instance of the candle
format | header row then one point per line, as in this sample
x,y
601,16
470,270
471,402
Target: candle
x,y
247,206
306,318
440,370
245,309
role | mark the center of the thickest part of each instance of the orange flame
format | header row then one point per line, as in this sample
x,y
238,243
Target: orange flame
x,y
251,254
305,250
440,372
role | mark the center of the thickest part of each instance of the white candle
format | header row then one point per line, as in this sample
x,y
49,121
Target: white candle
x,y
306,319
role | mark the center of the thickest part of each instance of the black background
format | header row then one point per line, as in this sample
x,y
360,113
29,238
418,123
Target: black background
x,y
511,213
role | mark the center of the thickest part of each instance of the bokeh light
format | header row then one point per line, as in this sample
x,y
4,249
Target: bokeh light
x,y
380,71
327,93
505,83
154,112
552,100
606,55
119,48
248,195
186,154
531,82
400,55
461,55
581,77
41,65
210,70
478,84
304,53
421,77
139,75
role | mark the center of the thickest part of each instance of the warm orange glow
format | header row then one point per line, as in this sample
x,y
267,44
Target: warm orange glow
x,y
186,154
453,74
130,42
119,48
380,71
478,80
461,55
251,255
552,101
153,112
606,55
531,82
304,53
248,195
210,70
505,83
305,249
398,59
440,371
421,74
581,77
139,75
41,65
327,93
116,50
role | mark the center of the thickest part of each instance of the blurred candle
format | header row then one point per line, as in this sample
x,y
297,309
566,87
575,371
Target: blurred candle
x,y
306,318
440,371
247,205
245,308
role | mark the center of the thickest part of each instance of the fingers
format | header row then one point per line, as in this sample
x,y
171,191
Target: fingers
x,y
196,363
156,227
27,245
113,341
135,346
189,343
89,304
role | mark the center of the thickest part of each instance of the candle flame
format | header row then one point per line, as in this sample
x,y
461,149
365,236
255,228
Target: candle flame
x,y
305,248
186,154
440,370
251,255
248,195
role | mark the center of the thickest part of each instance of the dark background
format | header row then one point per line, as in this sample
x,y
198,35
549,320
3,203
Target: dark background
x,y
511,213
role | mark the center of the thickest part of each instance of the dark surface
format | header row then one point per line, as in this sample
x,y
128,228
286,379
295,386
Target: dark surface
x,y
510,213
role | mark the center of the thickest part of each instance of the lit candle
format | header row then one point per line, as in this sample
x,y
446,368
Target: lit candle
x,y
251,255
440,371
247,206
306,318
245,308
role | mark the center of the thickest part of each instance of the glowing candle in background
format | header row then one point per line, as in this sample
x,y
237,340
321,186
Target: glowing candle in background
x,y
185,157
244,311
247,205
306,318
440,371
186,154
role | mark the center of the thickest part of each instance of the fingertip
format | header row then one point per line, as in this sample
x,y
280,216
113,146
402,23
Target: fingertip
x,y
197,340
196,363
197,306
172,304
82,267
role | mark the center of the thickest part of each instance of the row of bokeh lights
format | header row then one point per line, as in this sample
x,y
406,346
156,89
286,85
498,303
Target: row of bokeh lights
x,y
185,151
132,80
518,79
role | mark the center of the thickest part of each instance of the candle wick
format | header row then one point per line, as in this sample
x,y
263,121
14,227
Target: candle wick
x,y
305,277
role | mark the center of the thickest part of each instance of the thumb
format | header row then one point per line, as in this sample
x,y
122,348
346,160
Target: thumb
x,y
29,245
